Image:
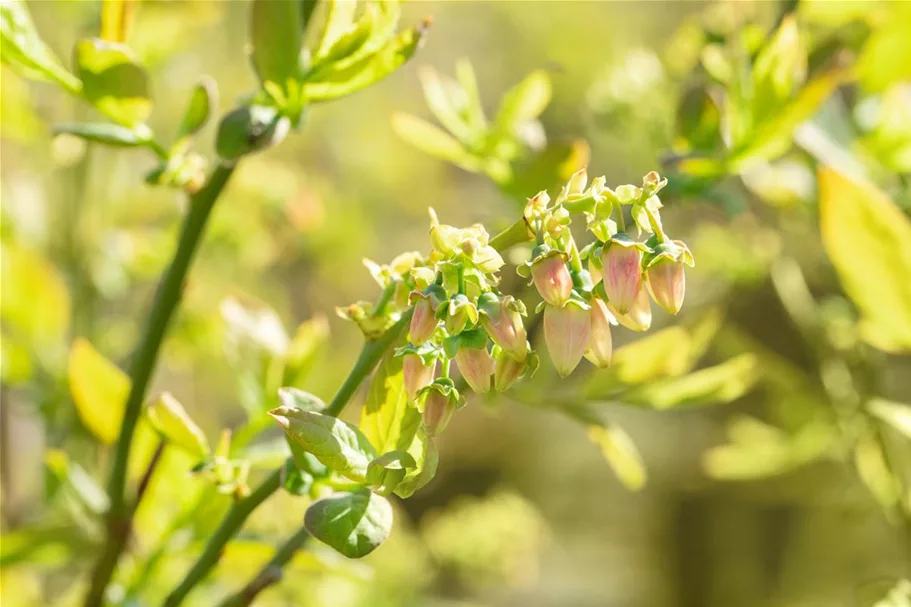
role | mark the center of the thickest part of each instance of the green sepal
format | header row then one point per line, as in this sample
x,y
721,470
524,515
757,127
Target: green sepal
x,y
444,386
428,351
475,338
539,254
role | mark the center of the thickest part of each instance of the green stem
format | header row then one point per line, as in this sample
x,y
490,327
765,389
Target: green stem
x,y
621,220
517,233
385,298
575,261
231,524
271,573
656,224
166,301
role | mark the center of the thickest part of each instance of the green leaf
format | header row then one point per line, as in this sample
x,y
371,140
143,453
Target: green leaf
x,y
779,69
276,32
896,415
117,19
308,342
716,385
169,419
22,49
883,60
388,470
620,452
109,134
335,443
298,399
114,81
202,104
443,99
36,303
387,419
433,141
339,82
523,102
72,476
99,390
868,239
339,20
874,471
354,524
424,452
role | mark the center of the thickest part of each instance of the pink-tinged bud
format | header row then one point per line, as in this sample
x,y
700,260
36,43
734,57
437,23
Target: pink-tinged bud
x,y
666,282
502,319
600,344
476,366
423,321
415,374
552,279
639,317
621,274
440,400
566,332
509,370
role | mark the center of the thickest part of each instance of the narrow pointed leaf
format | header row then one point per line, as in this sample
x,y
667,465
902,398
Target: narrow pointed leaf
x,y
620,452
100,132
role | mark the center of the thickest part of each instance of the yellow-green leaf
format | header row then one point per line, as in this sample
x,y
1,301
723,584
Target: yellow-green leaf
x,y
868,239
620,452
897,415
524,101
276,31
434,141
117,19
114,81
874,471
884,58
99,390
171,420
36,303
388,420
22,49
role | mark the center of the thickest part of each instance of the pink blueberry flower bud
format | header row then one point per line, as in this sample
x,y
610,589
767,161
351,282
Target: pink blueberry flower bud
x,y
666,282
621,274
416,374
423,320
639,317
502,319
509,370
440,400
600,345
566,332
552,278
476,366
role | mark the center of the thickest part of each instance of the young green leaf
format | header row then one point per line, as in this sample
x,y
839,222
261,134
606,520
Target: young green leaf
x,y
896,415
779,69
308,342
202,104
36,303
108,134
114,81
868,239
171,420
298,399
874,471
334,83
523,102
388,470
424,452
276,33
434,141
339,20
552,167
117,19
335,443
620,452
354,524
444,97
387,419
99,390
22,49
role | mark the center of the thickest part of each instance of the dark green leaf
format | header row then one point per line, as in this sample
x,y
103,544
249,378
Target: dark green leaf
x,y
388,470
109,134
354,524
113,81
336,444
294,480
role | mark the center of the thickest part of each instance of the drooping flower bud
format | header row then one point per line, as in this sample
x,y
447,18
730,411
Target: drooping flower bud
x,y
566,332
509,370
438,401
423,320
621,273
502,319
476,366
416,374
639,317
666,282
552,279
460,314
600,345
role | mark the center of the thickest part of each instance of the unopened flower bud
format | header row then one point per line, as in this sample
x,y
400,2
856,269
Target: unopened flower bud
x,y
551,276
476,366
416,374
639,316
621,273
600,344
502,319
666,282
423,320
440,400
566,332
509,370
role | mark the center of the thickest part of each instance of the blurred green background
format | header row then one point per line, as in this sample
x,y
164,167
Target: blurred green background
x,y
524,510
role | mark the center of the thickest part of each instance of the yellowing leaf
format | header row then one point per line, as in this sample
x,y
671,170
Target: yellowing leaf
x,y
99,390
36,303
170,419
117,19
620,452
884,58
868,239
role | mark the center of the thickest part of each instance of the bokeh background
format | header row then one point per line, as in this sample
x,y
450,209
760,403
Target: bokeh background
x,y
524,509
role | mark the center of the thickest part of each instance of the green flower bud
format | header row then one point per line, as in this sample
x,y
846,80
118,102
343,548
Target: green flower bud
x,y
250,129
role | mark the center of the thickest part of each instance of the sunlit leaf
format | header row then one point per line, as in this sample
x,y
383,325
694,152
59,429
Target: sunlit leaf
x,y
868,239
276,31
74,477
434,141
874,471
202,104
883,60
99,390
779,69
523,102
444,97
308,342
716,385
114,81
425,454
171,420
620,452
339,20
108,134
22,49
117,19
255,323
36,302
387,418
334,442
897,415
354,524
